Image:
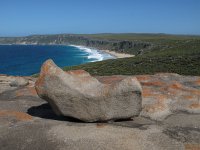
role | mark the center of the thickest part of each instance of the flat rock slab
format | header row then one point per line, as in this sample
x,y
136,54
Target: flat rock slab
x,y
27,122
168,93
165,93
79,95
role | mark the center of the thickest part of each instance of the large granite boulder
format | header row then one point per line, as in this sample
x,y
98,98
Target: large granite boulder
x,y
79,95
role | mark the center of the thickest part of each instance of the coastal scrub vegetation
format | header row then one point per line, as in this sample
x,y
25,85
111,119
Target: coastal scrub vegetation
x,y
170,53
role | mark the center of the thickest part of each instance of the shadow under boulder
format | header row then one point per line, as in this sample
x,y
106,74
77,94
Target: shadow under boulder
x,y
45,111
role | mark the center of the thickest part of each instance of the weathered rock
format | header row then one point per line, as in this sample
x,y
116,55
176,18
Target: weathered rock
x,y
18,81
168,93
25,116
12,82
79,95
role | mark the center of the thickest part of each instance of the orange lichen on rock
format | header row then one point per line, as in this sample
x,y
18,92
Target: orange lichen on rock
x,y
147,92
40,82
155,83
29,91
19,93
46,68
182,88
159,105
193,91
77,72
195,106
143,77
192,146
197,82
160,97
32,91
169,91
152,108
18,115
176,86
156,96
188,97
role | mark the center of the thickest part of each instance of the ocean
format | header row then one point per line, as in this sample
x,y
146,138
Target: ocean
x,y
25,60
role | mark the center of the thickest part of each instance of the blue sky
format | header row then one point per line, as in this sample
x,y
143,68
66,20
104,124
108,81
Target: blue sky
x,y
26,17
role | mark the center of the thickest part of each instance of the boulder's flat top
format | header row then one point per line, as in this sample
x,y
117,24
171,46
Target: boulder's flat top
x,y
170,119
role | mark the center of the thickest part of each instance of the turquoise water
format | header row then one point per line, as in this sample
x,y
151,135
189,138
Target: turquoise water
x,y
27,59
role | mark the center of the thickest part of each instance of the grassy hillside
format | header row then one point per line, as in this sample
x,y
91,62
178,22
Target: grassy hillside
x,y
177,54
140,36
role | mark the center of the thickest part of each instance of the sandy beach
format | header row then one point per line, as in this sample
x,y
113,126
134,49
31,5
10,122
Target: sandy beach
x,y
113,53
118,55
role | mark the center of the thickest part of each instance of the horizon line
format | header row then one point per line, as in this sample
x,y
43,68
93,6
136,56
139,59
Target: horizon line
x,y
139,33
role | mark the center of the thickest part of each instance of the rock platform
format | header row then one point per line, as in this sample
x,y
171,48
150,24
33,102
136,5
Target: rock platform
x,y
170,118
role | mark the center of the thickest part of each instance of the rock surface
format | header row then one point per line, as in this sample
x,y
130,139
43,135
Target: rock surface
x,y
79,95
11,82
27,122
18,81
165,93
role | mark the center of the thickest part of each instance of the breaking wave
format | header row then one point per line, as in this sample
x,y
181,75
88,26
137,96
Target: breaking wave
x,y
94,54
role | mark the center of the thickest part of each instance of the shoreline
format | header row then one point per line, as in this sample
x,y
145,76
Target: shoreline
x,y
117,54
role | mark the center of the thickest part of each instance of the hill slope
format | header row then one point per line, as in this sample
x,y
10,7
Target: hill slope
x,y
170,53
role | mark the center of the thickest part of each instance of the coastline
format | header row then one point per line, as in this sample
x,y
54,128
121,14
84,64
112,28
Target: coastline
x,y
114,54
118,55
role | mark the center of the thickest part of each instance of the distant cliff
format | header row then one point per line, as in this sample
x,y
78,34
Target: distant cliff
x,y
132,47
